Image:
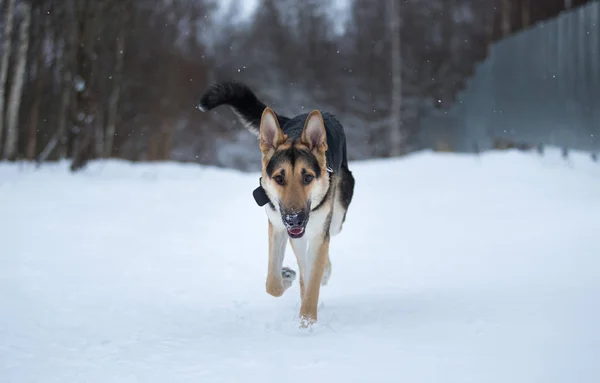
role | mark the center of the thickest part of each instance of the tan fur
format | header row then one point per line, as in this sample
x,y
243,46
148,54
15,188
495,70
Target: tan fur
x,y
310,299
297,252
276,286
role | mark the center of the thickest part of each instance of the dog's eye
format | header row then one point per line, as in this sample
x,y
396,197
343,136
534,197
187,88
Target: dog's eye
x,y
308,179
279,179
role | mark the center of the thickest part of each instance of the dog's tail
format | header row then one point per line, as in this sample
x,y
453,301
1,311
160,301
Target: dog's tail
x,y
242,100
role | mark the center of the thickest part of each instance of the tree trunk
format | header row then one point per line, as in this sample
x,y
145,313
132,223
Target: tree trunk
x,y
506,24
153,144
396,135
166,142
65,105
526,13
66,70
99,140
85,108
6,50
82,148
116,94
12,134
61,68
490,22
42,30
49,148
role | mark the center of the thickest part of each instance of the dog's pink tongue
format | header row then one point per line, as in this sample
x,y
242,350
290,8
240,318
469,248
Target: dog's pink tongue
x,y
296,231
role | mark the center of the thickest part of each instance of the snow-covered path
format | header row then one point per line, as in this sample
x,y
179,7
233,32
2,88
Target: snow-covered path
x,y
449,269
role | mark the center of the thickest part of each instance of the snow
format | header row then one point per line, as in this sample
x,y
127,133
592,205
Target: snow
x,y
450,268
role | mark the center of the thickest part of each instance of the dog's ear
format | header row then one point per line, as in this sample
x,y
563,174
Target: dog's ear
x,y
271,134
314,135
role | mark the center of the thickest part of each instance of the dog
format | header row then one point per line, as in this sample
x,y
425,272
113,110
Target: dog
x,y
305,183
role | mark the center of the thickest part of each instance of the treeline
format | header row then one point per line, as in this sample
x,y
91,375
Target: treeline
x,y
99,78
302,54
85,79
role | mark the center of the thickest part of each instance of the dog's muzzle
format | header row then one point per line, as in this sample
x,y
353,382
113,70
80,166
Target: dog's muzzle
x,y
295,223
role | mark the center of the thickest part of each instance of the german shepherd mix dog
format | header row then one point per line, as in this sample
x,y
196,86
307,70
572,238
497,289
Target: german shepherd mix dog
x,y
305,183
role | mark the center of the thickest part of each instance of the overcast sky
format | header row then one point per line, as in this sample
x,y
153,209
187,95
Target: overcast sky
x,y
249,5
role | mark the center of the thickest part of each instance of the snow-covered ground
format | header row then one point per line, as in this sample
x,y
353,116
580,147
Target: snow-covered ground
x,y
450,268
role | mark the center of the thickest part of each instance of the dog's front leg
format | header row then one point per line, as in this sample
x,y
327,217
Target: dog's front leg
x,y
278,278
318,256
300,247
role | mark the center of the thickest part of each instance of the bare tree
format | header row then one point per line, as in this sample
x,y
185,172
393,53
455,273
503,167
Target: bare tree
x,y
42,28
63,41
12,134
396,136
85,109
113,103
6,50
506,19
67,69
119,70
526,13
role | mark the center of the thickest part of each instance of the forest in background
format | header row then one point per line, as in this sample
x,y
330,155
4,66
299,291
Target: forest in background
x,y
86,79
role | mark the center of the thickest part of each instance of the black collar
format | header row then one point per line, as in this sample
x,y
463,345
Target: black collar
x,y
260,195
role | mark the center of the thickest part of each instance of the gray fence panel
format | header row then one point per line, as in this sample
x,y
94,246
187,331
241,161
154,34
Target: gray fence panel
x,y
540,86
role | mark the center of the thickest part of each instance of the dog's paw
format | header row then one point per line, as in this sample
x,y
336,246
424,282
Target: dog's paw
x,y
288,275
307,321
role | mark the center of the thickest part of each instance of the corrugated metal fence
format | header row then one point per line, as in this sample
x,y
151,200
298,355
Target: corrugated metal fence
x,y
541,86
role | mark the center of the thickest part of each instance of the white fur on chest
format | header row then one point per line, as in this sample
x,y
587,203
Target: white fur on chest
x,y
305,253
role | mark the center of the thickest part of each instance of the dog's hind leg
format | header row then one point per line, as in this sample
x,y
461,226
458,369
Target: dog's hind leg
x,y
279,278
341,201
338,217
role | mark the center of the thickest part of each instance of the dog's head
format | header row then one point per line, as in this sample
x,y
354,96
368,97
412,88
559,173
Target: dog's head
x,y
294,171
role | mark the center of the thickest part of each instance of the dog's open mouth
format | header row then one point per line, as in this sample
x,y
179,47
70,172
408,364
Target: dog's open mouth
x,y
296,232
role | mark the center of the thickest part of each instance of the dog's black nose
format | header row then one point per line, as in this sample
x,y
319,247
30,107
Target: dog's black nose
x,y
295,220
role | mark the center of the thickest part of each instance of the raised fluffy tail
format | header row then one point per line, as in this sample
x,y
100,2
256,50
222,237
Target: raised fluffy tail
x,y
241,99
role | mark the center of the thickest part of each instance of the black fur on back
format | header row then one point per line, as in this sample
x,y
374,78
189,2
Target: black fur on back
x,y
241,99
